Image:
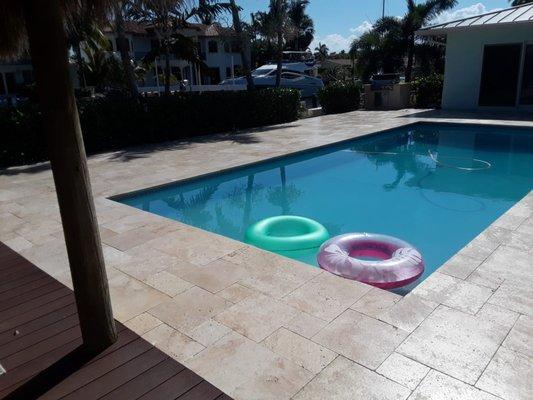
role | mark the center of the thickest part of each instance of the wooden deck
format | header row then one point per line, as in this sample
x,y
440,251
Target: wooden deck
x,y
40,348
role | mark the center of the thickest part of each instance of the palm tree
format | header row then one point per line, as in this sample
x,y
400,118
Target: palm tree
x,y
245,44
41,24
380,49
279,26
166,16
416,17
82,26
123,46
322,51
303,24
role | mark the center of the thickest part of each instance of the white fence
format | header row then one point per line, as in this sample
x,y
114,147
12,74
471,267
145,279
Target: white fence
x,y
192,88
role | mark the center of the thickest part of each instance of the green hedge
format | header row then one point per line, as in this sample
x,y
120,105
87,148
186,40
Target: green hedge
x,y
340,97
427,91
112,123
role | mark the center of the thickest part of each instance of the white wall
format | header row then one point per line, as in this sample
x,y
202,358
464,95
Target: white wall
x,y
464,59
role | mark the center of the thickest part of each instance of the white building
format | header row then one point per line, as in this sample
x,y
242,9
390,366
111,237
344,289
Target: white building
x,y
218,48
489,60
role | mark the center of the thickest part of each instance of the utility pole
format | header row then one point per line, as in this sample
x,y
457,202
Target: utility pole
x,y
383,10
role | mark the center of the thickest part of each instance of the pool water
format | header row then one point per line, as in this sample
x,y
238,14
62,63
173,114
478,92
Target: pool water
x,y
436,186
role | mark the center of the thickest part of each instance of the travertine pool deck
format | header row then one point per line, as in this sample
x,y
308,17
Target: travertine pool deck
x,y
260,326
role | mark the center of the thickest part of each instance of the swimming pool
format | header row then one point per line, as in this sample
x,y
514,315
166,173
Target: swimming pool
x,y
436,186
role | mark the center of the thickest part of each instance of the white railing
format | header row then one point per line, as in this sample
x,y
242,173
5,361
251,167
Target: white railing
x,y
192,88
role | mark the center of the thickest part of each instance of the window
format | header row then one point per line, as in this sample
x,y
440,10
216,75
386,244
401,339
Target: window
x,y
226,47
213,46
228,72
499,77
290,75
526,96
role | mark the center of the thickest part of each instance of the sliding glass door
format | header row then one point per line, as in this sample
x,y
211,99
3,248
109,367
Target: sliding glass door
x,y
526,95
500,75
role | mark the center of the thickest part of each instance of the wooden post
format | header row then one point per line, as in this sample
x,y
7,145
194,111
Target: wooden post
x,y
48,47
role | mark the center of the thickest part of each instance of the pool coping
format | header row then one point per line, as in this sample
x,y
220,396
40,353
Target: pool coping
x,y
451,290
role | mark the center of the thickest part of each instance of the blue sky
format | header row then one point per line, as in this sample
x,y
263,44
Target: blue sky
x,y
338,22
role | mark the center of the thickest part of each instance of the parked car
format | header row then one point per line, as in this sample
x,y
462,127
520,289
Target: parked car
x,y
265,76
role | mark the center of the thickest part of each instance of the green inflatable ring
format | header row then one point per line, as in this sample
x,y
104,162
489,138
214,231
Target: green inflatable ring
x,y
286,233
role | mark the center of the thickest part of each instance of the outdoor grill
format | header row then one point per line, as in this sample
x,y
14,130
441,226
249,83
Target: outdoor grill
x,y
384,81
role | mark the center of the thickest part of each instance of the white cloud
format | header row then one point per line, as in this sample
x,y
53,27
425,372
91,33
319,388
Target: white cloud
x,y
337,42
363,28
466,12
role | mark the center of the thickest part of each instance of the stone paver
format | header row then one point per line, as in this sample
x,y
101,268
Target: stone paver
x,y
189,309
459,266
326,297
376,302
409,312
257,317
455,343
509,375
247,370
299,350
172,342
216,276
345,380
520,339
437,386
305,325
360,338
403,370
148,258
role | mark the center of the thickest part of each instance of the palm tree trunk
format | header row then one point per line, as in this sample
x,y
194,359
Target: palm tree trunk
x,y
167,69
245,45
410,59
123,48
49,54
280,59
76,47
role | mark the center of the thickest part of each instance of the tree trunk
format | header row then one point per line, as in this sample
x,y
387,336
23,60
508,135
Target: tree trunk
x,y
410,59
167,69
123,48
76,47
245,45
49,54
280,59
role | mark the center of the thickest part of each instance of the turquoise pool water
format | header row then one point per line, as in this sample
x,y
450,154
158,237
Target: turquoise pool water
x,y
435,186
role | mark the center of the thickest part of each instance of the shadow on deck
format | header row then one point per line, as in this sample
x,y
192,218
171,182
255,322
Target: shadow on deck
x,y
42,353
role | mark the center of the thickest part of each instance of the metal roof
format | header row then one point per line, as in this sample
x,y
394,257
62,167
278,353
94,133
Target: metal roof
x,y
513,15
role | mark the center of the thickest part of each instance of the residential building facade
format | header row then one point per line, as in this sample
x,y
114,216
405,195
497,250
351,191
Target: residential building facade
x,y
489,60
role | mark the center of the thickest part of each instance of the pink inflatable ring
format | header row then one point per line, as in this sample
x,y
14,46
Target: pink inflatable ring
x,y
354,255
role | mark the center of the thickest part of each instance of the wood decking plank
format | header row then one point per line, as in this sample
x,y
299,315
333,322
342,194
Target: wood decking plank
x,y
120,375
146,382
40,344
174,387
7,324
202,391
38,323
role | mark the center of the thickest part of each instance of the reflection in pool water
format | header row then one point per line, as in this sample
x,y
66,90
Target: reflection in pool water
x,y
387,183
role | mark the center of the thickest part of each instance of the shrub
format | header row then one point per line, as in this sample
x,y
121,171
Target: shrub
x,y
427,91
340,97
110,123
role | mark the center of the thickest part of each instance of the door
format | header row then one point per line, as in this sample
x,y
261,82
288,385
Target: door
x,y
526,95
499,77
